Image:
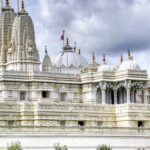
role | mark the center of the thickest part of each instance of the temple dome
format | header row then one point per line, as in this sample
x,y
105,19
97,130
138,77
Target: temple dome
x,y
105,67
68,61
129,64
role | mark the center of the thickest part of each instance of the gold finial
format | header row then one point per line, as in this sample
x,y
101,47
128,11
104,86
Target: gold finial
x,y
22,5
93,59
104,59
7,2
67,42
46,50
121,58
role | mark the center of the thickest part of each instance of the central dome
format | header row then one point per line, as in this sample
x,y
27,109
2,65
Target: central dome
x,y
68,61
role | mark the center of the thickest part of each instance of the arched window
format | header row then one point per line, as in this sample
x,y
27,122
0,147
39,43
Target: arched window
x,y
121,95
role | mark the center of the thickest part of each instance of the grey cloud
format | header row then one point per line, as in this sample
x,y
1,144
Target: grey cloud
x,y
110,26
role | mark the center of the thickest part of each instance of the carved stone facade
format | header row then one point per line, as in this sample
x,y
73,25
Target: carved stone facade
x,y
68,96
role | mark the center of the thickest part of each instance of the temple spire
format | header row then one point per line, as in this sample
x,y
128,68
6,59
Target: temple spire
x,y
22,5
18,5
46,50
7,2
63,38
121,58
129,55
67,41
93,58
79,52
75,46
104,59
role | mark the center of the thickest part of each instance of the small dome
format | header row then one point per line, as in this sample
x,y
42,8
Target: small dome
x,y
68,61
129,65
105,67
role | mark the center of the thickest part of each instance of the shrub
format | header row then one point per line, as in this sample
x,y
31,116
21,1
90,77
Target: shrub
x,y
103,147
14,146
58,147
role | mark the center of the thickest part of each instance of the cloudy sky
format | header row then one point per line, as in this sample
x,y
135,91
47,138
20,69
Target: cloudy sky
x,y
100,26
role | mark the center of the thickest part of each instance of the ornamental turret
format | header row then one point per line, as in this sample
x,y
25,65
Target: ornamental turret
x,y
22,53
47,65
129,64
6,22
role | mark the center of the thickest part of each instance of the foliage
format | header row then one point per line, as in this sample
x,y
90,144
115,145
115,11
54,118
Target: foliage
x,y
58,147
103,147
14,146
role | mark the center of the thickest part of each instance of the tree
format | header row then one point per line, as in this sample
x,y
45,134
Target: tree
x,y
103,147
58,147
14,146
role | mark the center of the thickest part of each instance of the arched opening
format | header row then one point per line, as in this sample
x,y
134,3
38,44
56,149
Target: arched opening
x,y
109,96
121,95
112,97
139,96
133,95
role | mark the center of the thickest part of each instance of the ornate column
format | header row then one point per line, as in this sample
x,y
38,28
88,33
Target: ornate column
x,y
103,89
115,96
103,96
145,96
128,95
128,88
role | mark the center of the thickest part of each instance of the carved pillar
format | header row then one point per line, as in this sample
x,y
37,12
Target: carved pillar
x,y
115,96
145,96
103,96
128,95
103,89
128,88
